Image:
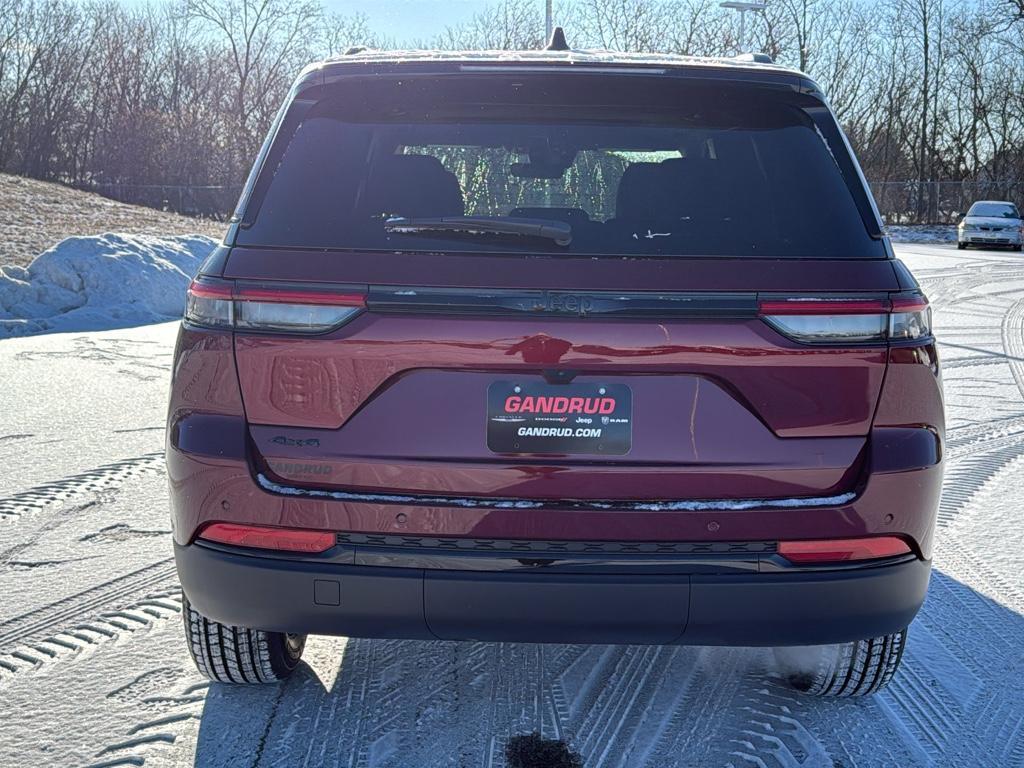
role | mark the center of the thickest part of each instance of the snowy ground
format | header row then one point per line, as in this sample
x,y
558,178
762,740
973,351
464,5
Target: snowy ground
x,y
927,233
93,668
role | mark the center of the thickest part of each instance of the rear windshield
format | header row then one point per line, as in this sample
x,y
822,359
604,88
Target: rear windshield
x,y
997,210
661,170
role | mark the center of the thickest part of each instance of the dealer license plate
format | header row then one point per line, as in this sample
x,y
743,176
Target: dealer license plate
x,y
537,417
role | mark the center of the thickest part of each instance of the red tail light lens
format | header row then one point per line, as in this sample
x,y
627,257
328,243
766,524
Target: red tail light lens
x,y
843,550
846,320
825,307
224,304
262,537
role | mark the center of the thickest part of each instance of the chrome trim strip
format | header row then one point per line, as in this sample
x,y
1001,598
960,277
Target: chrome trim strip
x,y
468,502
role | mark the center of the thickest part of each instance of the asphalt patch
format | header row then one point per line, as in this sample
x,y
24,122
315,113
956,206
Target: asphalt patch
x,y
534,751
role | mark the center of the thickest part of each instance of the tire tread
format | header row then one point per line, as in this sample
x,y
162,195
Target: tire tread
x,y
860,668
229,654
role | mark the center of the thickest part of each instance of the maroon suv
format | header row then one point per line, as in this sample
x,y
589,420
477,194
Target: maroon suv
x,y
555,347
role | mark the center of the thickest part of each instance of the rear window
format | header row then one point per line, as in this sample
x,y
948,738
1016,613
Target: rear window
x,y
636,169
996,210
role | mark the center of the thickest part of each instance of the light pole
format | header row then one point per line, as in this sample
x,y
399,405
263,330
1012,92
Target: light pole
x,y
743,6
547,20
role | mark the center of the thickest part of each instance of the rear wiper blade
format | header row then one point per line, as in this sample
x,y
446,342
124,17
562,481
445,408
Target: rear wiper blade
x,y
559,231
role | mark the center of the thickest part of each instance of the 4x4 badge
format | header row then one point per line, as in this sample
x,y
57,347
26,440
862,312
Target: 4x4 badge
x,y
309,442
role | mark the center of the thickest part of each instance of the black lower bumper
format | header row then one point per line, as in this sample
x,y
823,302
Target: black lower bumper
x,y
753,609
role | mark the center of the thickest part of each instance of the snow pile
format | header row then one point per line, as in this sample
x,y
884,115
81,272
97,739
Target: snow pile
x,y
922,233
103,281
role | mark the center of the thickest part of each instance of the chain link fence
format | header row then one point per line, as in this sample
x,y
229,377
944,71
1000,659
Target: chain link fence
x,y
938,202
215,201
900,202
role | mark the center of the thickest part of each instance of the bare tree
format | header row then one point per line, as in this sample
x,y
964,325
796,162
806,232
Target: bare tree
x,y
265,42
339,33
699,28
509,25
181,92
627,25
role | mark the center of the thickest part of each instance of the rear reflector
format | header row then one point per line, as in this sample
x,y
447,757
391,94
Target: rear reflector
x,y
262,537
842,550
819,320
288,309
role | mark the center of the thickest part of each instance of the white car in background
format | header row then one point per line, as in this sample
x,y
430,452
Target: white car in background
x,y
991,222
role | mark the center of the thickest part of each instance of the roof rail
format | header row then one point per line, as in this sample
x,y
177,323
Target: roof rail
x,y
757,58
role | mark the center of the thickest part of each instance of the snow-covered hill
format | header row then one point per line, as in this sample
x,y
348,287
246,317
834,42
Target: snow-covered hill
x,y
36,214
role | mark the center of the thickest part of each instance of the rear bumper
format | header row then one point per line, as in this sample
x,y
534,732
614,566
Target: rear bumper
x,y
753,609
212,480
993,238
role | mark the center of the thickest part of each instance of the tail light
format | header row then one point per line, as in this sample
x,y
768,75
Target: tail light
x,y
843,320
843,550
209,303
265,537
289,309
911,318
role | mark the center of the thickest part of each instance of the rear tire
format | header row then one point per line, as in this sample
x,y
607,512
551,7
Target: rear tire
x,y
227,654
961,246
860,668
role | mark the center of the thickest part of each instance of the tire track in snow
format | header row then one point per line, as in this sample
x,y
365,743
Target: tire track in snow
x,y
928,714
26,542
694,733
106,627
958,286
495,699
967,477
624,703
956,731
949,697
971,362
364,719
778,727
1013,342
79,487
170,714
145,735
986,435
989,454
397,703
948,729
45,621
773,735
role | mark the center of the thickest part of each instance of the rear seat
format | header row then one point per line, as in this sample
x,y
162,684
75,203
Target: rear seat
x,y
670,191
414,186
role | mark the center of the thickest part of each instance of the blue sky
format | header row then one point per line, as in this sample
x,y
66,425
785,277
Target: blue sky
x,y
406,20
